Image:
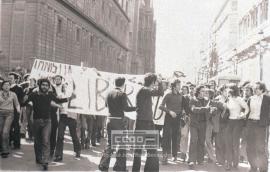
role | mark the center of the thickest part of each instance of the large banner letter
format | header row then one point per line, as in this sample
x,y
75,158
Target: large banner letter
x,y
100,98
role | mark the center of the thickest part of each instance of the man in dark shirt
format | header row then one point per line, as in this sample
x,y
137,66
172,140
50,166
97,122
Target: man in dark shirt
x,y
43,100
144,120
199,109
15,134
173,104
117,104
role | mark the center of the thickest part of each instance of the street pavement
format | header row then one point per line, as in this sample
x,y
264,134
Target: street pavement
x,y
24,160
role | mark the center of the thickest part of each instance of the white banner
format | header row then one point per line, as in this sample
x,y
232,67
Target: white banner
x,y
89,85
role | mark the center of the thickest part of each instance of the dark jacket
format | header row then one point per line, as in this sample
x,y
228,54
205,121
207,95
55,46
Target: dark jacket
x,y
117,102
214,117
265,111
19,92
198,111
144,102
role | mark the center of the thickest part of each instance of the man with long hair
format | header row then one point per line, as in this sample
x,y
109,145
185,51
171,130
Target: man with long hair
x,y
173,104
43,100
144,120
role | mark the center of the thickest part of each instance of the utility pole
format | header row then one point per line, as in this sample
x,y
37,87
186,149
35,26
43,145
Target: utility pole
x,y
261,56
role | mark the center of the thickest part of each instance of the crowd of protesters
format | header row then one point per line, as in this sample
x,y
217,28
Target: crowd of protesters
x,y
224,125
37,111
206,124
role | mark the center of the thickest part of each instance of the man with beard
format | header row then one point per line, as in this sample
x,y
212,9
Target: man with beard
x,y
43,100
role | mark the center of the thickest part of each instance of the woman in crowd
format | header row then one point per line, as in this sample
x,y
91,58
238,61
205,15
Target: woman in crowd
x,y
184,126
8,104
235,105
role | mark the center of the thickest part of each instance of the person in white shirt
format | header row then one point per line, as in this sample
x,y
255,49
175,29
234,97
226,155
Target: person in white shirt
x,y
66,119
257,125
238,109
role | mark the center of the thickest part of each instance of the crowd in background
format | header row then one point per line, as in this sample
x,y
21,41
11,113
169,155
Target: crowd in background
x,y
224,125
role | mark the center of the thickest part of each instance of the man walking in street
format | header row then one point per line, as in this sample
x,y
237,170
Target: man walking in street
x,y
199,110
144,120
257,125
117,104
42,101
56,89
66,119
15,134
173,104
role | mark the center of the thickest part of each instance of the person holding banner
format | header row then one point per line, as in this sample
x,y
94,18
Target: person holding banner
x,y
117,103
144,120
66,119
43,100
57,90
173,104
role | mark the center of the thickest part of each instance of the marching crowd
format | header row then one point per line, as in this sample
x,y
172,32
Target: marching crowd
x,y
224,125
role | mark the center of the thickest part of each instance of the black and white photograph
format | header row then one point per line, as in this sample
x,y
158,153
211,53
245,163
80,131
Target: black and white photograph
x,y
135,85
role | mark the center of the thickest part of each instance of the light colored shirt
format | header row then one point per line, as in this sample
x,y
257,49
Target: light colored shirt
x,y
255,107
65,107
235,106
7,103
58,89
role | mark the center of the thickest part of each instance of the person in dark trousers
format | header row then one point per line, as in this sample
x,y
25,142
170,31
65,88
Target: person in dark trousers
x,y
144,120
212,124
220,138
15,135
8,103
247,92
184,124
257,125
29,109
117,103
199,110
43,100
235,106
55,89
89,125
173,104
66,119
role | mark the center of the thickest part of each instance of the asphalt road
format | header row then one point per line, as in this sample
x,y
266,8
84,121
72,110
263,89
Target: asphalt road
x,y
24,160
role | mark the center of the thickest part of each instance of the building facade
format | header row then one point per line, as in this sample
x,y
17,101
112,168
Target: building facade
x,y
253,57
241,38
144,37
96,33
